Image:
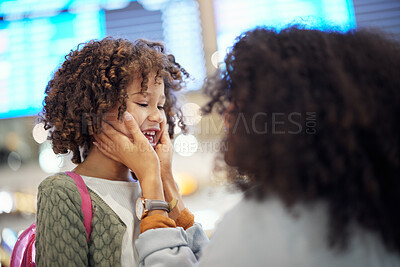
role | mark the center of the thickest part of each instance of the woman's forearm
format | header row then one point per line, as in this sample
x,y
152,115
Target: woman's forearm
x,y
170,192
152,187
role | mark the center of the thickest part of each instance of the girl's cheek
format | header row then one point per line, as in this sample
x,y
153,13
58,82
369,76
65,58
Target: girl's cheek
x,y
137,114
138,119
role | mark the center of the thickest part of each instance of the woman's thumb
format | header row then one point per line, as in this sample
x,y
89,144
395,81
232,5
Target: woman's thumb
x,y
165,137
131,124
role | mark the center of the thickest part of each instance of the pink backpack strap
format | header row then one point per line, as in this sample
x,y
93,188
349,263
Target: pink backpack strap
x,y
86,202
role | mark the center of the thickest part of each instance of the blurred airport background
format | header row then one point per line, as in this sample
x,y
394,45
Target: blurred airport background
x,y
35,35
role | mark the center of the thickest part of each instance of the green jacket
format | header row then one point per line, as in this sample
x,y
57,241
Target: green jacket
x,y
60,233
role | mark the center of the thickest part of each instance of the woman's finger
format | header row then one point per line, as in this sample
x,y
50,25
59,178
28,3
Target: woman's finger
x,y
164,144
114,137
103,139
165,137
133,127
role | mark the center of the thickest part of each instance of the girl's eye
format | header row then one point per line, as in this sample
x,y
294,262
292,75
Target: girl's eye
x,y
142,105
160,107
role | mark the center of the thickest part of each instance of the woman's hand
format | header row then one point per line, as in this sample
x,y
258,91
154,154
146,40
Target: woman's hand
x,y
136,153
164,150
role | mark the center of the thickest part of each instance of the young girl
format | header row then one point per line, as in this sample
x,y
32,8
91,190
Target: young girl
x,y
91,91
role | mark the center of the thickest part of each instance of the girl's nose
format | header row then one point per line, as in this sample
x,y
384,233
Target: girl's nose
x,y
156,115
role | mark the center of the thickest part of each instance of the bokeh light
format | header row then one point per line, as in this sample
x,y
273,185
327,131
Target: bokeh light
x,y
177,129
215,59
9,237
191,113
48,161
25,202
14,161
6,202
186,145
186,182
39,133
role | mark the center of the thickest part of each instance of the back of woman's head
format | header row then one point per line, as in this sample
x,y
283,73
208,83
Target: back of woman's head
x,y
315,117
93,80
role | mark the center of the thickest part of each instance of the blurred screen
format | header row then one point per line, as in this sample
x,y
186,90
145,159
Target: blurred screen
x,y
232,17
32,48
35,36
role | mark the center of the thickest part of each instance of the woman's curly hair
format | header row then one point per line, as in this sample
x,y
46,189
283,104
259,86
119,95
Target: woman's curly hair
x,y
316,117
93,79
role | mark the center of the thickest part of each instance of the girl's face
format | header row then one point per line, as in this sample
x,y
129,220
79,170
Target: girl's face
x,y
146,108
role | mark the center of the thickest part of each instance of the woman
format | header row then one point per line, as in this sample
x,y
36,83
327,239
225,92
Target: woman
x,y
313,142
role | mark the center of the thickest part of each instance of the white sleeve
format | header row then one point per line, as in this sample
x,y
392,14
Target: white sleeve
x,y
171,246
197,239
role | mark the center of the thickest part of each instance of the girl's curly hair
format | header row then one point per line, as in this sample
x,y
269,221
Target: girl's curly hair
x,y
316,117
93,79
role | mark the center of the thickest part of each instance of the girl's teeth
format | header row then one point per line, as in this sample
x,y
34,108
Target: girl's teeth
x,y
151,139
150,132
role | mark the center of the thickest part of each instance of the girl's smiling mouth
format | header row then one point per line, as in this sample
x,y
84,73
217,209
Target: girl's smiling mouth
x,y
151,135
